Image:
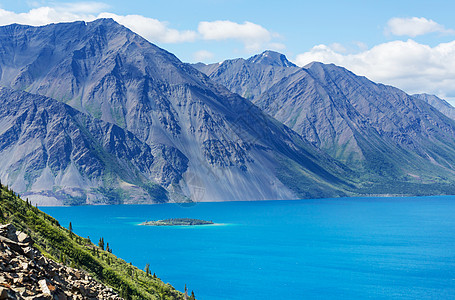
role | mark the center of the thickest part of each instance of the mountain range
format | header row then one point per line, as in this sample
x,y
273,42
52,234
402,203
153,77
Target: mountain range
x,y
181,136
94,113
376,129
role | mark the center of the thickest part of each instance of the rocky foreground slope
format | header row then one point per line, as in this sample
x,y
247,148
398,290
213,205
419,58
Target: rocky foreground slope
x,y
26,274
27,269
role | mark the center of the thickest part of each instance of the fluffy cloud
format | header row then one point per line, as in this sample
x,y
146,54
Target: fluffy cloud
x,y
151,29
253,36
409,65
42,16
414,27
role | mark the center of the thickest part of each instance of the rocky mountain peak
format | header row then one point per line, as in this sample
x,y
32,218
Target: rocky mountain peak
x,y
192,132
366,125
271,58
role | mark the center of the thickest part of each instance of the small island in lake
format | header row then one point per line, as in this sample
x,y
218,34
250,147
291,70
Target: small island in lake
x,y
177,222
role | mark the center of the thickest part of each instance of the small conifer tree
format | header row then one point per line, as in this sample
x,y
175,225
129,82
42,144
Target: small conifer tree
x,y
101,243
147,269
70,228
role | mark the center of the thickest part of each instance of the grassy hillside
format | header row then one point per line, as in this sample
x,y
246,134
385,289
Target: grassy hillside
x,y
61,245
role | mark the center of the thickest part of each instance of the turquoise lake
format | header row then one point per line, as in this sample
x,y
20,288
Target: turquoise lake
x,y
347,248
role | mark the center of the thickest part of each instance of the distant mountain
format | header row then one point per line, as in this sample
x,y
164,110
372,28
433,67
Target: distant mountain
x,y
438,103
371,127
206,143
252,77
54,154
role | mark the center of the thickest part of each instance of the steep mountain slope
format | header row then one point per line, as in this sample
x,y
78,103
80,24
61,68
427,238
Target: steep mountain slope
x,y
372,127
29,268
252,77
54,153
208,143
438,103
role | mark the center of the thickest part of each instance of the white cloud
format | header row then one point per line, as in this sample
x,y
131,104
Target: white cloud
x,y
203,56
152,29
253,36
409,65
414,27
41,16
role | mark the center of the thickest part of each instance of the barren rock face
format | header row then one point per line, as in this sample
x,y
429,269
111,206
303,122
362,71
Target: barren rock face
x,y
26,274
194,127
48,148
440,104
368,126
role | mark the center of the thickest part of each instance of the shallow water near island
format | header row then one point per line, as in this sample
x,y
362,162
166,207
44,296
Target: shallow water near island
x,y
347,248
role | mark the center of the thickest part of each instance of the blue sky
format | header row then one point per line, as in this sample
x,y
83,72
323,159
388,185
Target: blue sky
x,y
409,44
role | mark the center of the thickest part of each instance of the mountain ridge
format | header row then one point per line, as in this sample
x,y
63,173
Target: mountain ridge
x,y
46,144
440,104
372,127
209,144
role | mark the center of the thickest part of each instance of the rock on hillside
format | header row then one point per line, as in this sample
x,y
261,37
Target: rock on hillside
x,y
26,274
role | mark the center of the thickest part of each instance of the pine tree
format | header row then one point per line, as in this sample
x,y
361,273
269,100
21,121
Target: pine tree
x,y
192,295
101,243
107,247
147,269
70,228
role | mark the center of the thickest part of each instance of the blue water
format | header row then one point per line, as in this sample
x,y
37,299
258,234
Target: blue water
x,y
349,248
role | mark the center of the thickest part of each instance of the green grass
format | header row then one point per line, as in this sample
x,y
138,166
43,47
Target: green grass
x,y
60,244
